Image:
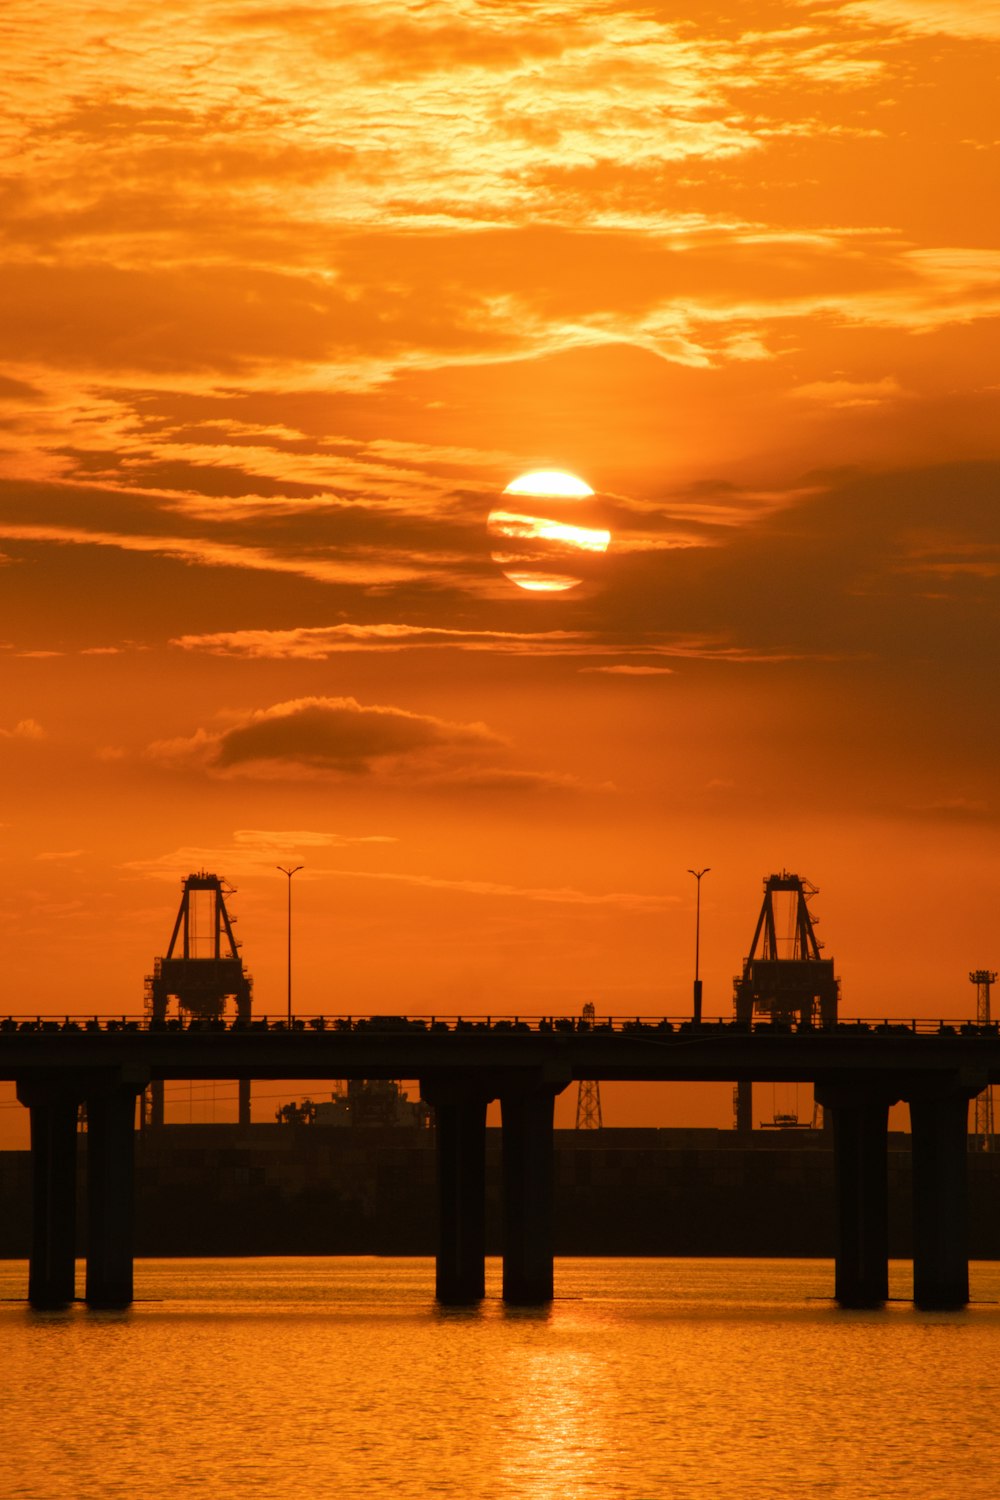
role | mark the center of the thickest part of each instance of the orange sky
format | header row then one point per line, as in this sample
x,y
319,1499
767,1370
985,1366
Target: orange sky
x,y
291,293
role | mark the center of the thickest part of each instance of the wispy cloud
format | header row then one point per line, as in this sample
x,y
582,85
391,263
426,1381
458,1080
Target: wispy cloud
x,y
560,896
318,642
980,20
213,554
842,394
622,669
252,851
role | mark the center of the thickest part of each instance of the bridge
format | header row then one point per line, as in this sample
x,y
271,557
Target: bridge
x,y
858,1069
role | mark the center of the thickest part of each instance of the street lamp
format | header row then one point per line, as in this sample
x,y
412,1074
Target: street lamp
x,y
290,872
697,943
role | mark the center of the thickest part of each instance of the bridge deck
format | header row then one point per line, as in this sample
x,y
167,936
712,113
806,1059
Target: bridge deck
x,y
560,1051
857,1069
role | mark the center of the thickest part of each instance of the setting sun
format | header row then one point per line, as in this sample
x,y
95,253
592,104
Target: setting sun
x,y
540,547
549,484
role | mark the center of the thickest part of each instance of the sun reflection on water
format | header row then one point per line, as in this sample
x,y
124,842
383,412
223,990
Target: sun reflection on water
x,y
644,1379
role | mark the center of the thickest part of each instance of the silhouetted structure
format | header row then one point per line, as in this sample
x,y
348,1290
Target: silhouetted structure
x,y
588,1095
784,978
858,1071
202,971
983,1131
370,1102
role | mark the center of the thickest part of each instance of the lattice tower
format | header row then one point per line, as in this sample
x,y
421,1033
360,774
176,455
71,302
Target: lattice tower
x,y
984,1133
588,1098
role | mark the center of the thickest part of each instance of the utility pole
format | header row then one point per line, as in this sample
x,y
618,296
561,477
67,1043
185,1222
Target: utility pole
x,y
290,871
697,943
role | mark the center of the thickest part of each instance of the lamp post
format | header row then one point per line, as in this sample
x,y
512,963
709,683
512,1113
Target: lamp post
x,y
290,871
697,943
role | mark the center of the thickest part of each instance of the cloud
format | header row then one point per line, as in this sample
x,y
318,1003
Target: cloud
x,y
842,575
446,115
25,729
318,642
339,736
561,896
301,838
623,670
503,779
213,554
342,735
252,851
977,20
708,297
847,393
192,221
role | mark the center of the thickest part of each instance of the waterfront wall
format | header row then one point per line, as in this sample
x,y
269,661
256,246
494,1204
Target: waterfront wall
x,y
274,1190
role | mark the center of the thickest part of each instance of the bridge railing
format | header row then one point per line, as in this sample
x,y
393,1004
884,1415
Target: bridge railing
x,y
651,1026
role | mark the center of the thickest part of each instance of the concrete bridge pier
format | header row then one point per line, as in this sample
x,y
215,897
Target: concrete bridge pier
x,y
460,1128
527,1116
53,1107
860,1114
939,1123
111,1194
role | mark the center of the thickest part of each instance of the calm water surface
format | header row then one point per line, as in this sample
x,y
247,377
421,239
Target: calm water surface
x,y
274,1379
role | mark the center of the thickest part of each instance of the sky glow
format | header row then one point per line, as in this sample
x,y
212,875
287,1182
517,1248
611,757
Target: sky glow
x,y
288,296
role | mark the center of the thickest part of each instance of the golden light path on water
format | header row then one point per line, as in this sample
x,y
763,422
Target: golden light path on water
x,y
645,1379
541,541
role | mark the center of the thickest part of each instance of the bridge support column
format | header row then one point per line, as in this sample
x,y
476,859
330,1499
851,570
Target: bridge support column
x,y
940,1147
110,1194
243,1016
460,1128
52,1267
860,1142
527,1118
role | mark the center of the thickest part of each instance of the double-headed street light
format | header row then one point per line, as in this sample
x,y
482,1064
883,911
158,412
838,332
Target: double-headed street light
x,y
697,942
289,871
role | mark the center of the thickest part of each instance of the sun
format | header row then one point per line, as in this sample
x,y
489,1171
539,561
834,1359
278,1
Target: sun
x,y
546,531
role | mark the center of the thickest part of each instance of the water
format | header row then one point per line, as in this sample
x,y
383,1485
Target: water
x,y
646,1380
